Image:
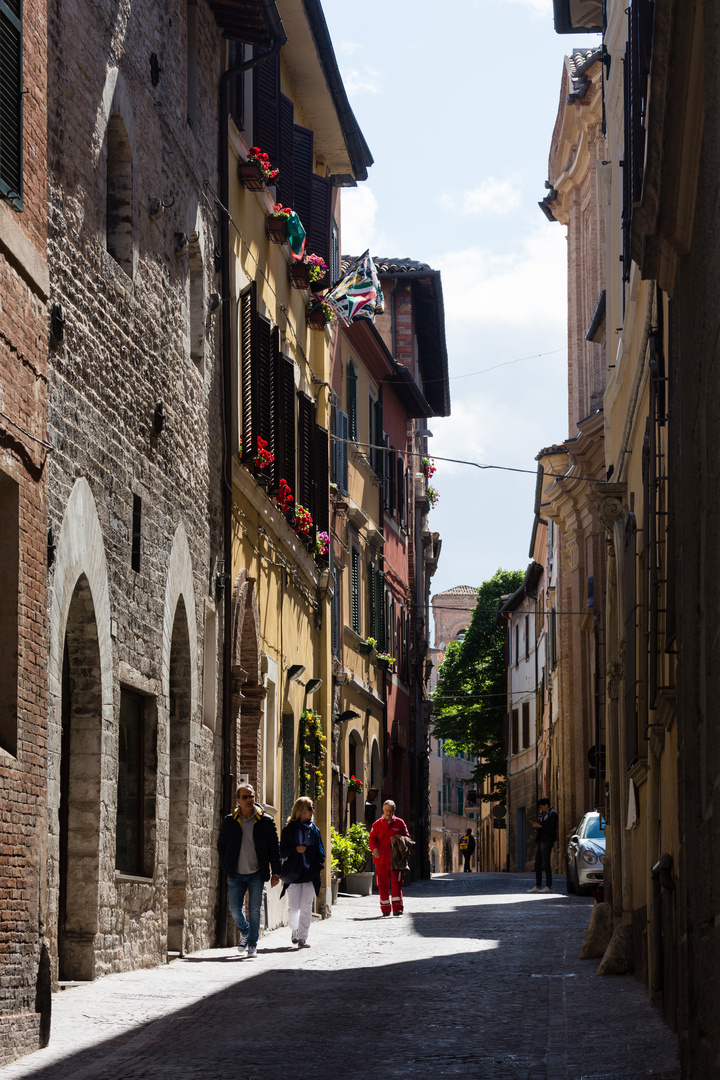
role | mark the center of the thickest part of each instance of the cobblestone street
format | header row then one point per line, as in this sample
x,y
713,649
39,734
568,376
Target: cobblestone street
x,y
478,979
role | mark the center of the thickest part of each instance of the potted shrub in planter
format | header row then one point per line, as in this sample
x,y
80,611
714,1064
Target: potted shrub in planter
x,y
349,854
256,172
319,315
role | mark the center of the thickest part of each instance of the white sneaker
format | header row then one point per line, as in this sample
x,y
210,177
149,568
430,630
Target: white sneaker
x,y
547,889
302,943
294,937
252,950
535,888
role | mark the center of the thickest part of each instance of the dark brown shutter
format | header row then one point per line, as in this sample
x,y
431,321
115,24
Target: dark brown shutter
x,y
352,381
285,186
248,372
400,491
355,589
265,382
306,423
321,502
236,87
319,239
344,435
266,98
302,178
285,421
372,602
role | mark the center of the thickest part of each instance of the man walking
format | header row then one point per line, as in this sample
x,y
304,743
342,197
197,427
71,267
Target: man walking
x,y
547,830
380,841
467,848
249,849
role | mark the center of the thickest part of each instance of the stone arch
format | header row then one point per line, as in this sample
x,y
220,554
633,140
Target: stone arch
x,y
248,693
356,767
115,148
179,586
81,795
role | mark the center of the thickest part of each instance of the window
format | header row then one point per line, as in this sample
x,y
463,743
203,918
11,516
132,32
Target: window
x,y
119,194
136,787
334,265
439,795
340,470
270,741
196,298
136,533
460,800
376,451
9,613
527,637
526,724
335,615
236,87
517,643
291,148
355,589
11,102
514,733
352,380
377,606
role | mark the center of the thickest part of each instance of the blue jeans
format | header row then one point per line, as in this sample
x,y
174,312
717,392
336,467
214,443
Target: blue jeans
x,y
238,885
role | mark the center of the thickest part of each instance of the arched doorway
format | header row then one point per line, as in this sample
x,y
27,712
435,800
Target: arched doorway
x,y
80,773
179,774
356,767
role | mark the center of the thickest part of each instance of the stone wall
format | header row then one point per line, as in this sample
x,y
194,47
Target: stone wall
x,y
25,982
134,483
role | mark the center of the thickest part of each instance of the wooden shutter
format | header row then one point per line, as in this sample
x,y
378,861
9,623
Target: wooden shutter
x,y
382,629
372,601
302,176
321,502
319,228
355,589
526,724
265,379
378,454
306,423
11,102
400,490
344,436
285,162
266,99
335,616
404,642
248,372
352,380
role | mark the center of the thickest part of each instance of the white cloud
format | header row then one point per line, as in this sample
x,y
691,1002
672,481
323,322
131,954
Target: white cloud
x,y
523,287
491,196
365,81
541,7
358,222
349,48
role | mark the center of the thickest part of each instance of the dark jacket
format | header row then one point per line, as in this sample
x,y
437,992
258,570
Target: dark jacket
x,y
302,865
548,822
266,843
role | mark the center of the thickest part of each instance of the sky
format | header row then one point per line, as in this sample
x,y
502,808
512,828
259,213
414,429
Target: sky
x,y
458,105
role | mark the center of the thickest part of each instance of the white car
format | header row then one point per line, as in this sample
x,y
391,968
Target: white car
x,y
586,847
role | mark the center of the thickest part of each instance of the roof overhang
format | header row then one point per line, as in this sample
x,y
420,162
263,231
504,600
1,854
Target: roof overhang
x,y
254,22
432,347
310,60
578,16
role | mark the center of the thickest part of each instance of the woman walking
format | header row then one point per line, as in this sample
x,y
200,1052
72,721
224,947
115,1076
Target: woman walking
x,y
302,849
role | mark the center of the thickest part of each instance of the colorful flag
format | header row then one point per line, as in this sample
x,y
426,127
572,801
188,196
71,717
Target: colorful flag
x,y
358,294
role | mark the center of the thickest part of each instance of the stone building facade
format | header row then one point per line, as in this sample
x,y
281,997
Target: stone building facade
x,y
24,465
133,485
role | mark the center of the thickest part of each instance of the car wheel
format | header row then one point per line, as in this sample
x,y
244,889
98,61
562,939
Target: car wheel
x,y
569,879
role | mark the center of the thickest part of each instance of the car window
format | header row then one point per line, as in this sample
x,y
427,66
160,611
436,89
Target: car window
x,y
595,828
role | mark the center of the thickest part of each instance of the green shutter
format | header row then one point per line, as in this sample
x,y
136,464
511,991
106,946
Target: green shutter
x,y
352,401
372,591
11,102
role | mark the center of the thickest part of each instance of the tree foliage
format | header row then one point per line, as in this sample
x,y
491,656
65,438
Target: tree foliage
x,y
470,699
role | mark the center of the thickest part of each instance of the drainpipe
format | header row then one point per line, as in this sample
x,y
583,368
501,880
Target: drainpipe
x,y
274,24
661,879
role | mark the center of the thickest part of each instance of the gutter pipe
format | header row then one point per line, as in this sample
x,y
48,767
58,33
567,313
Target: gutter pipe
x,y
279,37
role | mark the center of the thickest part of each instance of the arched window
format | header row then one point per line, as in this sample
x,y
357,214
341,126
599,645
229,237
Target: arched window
x,y
119,194
196,298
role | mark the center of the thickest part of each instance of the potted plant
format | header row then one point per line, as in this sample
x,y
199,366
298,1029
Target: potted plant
x,y
354,785
277,224
257,171
319,315
284,496
385,660
433,495
322,544
372,794
427,467
303,521
357,879
367,646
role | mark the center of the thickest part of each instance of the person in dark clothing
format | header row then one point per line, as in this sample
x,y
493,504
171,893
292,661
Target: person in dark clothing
x,y
249,850
467,848
546,835
302,849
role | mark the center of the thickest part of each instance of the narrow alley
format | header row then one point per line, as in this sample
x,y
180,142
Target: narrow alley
x,y
478,979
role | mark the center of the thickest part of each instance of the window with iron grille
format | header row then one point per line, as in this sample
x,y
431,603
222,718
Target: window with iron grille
x,y
11,102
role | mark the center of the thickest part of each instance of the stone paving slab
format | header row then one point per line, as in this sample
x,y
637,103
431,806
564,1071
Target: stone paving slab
x,y
478,978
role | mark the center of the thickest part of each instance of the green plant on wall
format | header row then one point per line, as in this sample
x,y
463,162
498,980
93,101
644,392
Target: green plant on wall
x,y
349,851
312,754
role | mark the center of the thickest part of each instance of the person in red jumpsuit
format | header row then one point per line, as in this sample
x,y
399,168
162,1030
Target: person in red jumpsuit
x,y
388,880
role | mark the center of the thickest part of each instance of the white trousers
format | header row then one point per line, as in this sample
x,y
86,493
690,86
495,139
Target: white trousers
x,y
300,902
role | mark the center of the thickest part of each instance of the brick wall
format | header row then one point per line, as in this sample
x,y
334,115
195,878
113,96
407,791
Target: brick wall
x,y
126,348
25,985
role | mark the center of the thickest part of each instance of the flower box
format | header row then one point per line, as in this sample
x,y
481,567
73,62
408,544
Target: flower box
x,y
251,176
276,227
321,285
364,647
317,319
382,662
299,274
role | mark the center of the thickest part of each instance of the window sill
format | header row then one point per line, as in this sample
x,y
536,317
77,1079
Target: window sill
x,y
131,879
